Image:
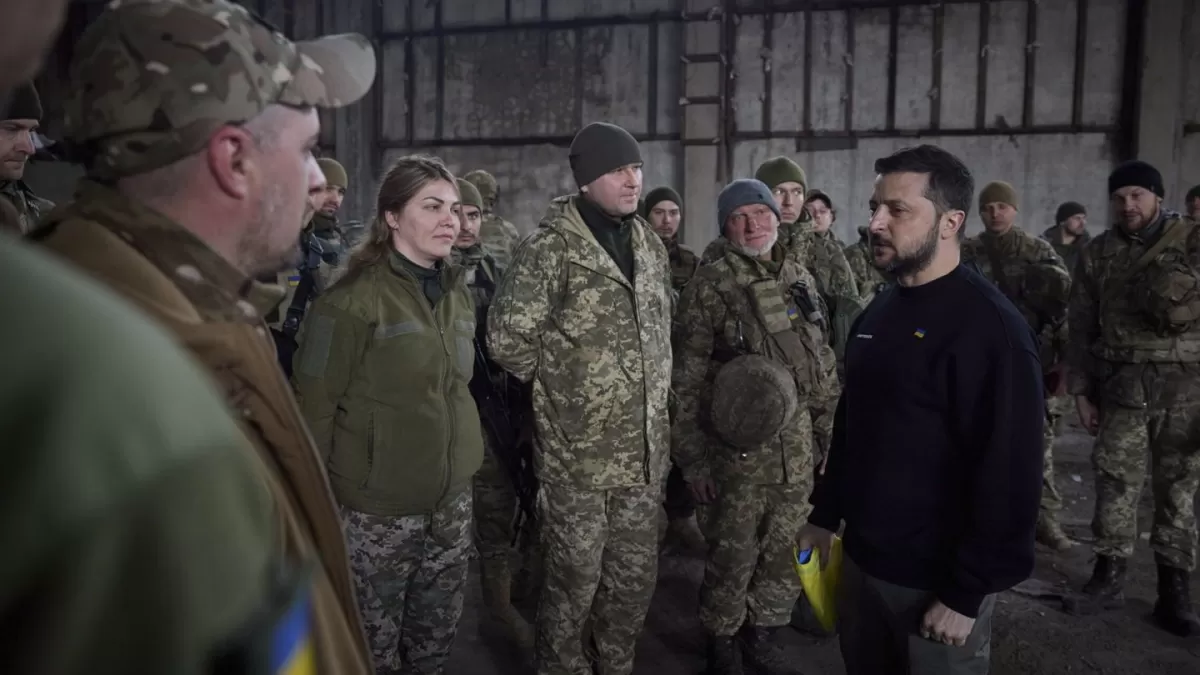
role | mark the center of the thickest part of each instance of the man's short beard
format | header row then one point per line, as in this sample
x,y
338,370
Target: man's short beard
x,y
759,251
908,265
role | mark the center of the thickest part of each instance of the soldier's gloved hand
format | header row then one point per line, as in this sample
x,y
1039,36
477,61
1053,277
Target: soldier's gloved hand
x,y
291,324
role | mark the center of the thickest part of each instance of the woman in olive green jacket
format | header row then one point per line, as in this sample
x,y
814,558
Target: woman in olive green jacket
x,y
382,371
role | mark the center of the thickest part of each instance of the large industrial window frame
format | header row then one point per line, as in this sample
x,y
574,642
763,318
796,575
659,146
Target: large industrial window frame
x,y
1122,131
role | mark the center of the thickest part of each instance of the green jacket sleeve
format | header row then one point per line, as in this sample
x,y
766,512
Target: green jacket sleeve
x,y
524,303
331,344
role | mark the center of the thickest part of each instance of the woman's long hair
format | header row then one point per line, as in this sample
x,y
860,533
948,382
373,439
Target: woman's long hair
x,y
407,176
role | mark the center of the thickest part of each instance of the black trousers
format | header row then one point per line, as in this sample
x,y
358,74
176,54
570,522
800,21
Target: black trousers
x,y
879,627
679,503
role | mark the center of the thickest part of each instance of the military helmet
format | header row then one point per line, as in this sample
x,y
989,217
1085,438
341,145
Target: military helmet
x,y
753,398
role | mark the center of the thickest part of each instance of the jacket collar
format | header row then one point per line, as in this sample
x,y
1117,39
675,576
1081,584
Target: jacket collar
x,y
217,289
563,216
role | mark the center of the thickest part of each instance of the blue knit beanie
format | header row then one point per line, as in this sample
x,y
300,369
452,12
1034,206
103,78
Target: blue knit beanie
x,y
743,192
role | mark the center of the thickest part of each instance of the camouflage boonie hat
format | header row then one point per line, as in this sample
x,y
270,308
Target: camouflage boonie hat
x,y
152,80
753,398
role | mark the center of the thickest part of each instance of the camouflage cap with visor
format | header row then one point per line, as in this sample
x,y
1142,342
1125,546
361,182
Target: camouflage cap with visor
x,y
152,80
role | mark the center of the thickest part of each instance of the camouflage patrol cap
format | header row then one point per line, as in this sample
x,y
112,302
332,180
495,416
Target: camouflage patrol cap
x,y
152,80
753,398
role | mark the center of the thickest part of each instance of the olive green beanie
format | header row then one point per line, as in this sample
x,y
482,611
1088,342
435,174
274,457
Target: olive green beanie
x,y
335,173
468,194
780,170
999,191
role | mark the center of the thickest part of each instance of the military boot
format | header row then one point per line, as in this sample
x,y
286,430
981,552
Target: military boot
x,y
1105,590
1174,611
497,597
760,654
1050,533
723,656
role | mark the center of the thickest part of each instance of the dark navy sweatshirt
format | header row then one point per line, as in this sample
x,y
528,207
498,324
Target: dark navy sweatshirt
x,y
936,462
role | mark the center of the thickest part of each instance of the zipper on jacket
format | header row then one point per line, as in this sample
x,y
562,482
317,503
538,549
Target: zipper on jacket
x,y
431,312
370,448
444,388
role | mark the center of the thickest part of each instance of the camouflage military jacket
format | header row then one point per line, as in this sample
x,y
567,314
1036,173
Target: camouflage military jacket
x,y
822,256
1123,312
869,278
1068,252
499,238
683,262
596,347
1033,277
717,321
30,208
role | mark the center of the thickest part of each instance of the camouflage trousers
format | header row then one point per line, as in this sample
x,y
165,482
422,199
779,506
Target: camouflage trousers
x,y
495,512
410,572
1168,425
601,563
1051,496
749,575
496,538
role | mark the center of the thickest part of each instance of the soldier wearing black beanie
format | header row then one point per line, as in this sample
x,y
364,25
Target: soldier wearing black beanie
x,y
22,114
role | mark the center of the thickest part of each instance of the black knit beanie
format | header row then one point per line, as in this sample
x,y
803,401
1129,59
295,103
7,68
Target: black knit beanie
x,y
1135,173
659,194
25,104
599,148
1068,209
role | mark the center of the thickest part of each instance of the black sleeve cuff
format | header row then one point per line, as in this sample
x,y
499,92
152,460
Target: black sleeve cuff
x,y
825,518
961,601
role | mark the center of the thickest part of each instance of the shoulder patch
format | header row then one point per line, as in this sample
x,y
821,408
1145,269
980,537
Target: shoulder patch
x,y
278,641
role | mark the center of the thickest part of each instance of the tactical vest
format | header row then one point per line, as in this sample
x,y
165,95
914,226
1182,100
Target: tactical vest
x,y
781,317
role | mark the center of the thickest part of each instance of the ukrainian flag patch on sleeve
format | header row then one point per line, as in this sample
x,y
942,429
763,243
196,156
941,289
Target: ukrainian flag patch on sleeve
x,y
291,640
278,639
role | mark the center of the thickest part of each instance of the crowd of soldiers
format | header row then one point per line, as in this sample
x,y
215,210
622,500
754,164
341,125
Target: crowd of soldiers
x,y
437,384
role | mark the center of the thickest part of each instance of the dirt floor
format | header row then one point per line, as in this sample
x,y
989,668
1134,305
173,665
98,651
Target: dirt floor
x,y
1030,634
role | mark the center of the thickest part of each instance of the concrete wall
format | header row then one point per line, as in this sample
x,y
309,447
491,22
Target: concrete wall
x,y
1005,84
500,87
1168,131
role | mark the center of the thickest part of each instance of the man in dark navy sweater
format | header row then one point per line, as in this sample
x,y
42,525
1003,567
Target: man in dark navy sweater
x,y
936,463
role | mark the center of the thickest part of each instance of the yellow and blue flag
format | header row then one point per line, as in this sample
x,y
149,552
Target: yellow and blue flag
x,y
292,651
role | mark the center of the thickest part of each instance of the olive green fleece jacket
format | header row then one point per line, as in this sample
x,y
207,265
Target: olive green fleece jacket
x,y
382,379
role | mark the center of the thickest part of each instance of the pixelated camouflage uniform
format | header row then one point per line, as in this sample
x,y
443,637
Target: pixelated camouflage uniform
x,y
869,278
499,236
1134,351
1035,279
762,495
684,262
822,256
597,349
29,207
